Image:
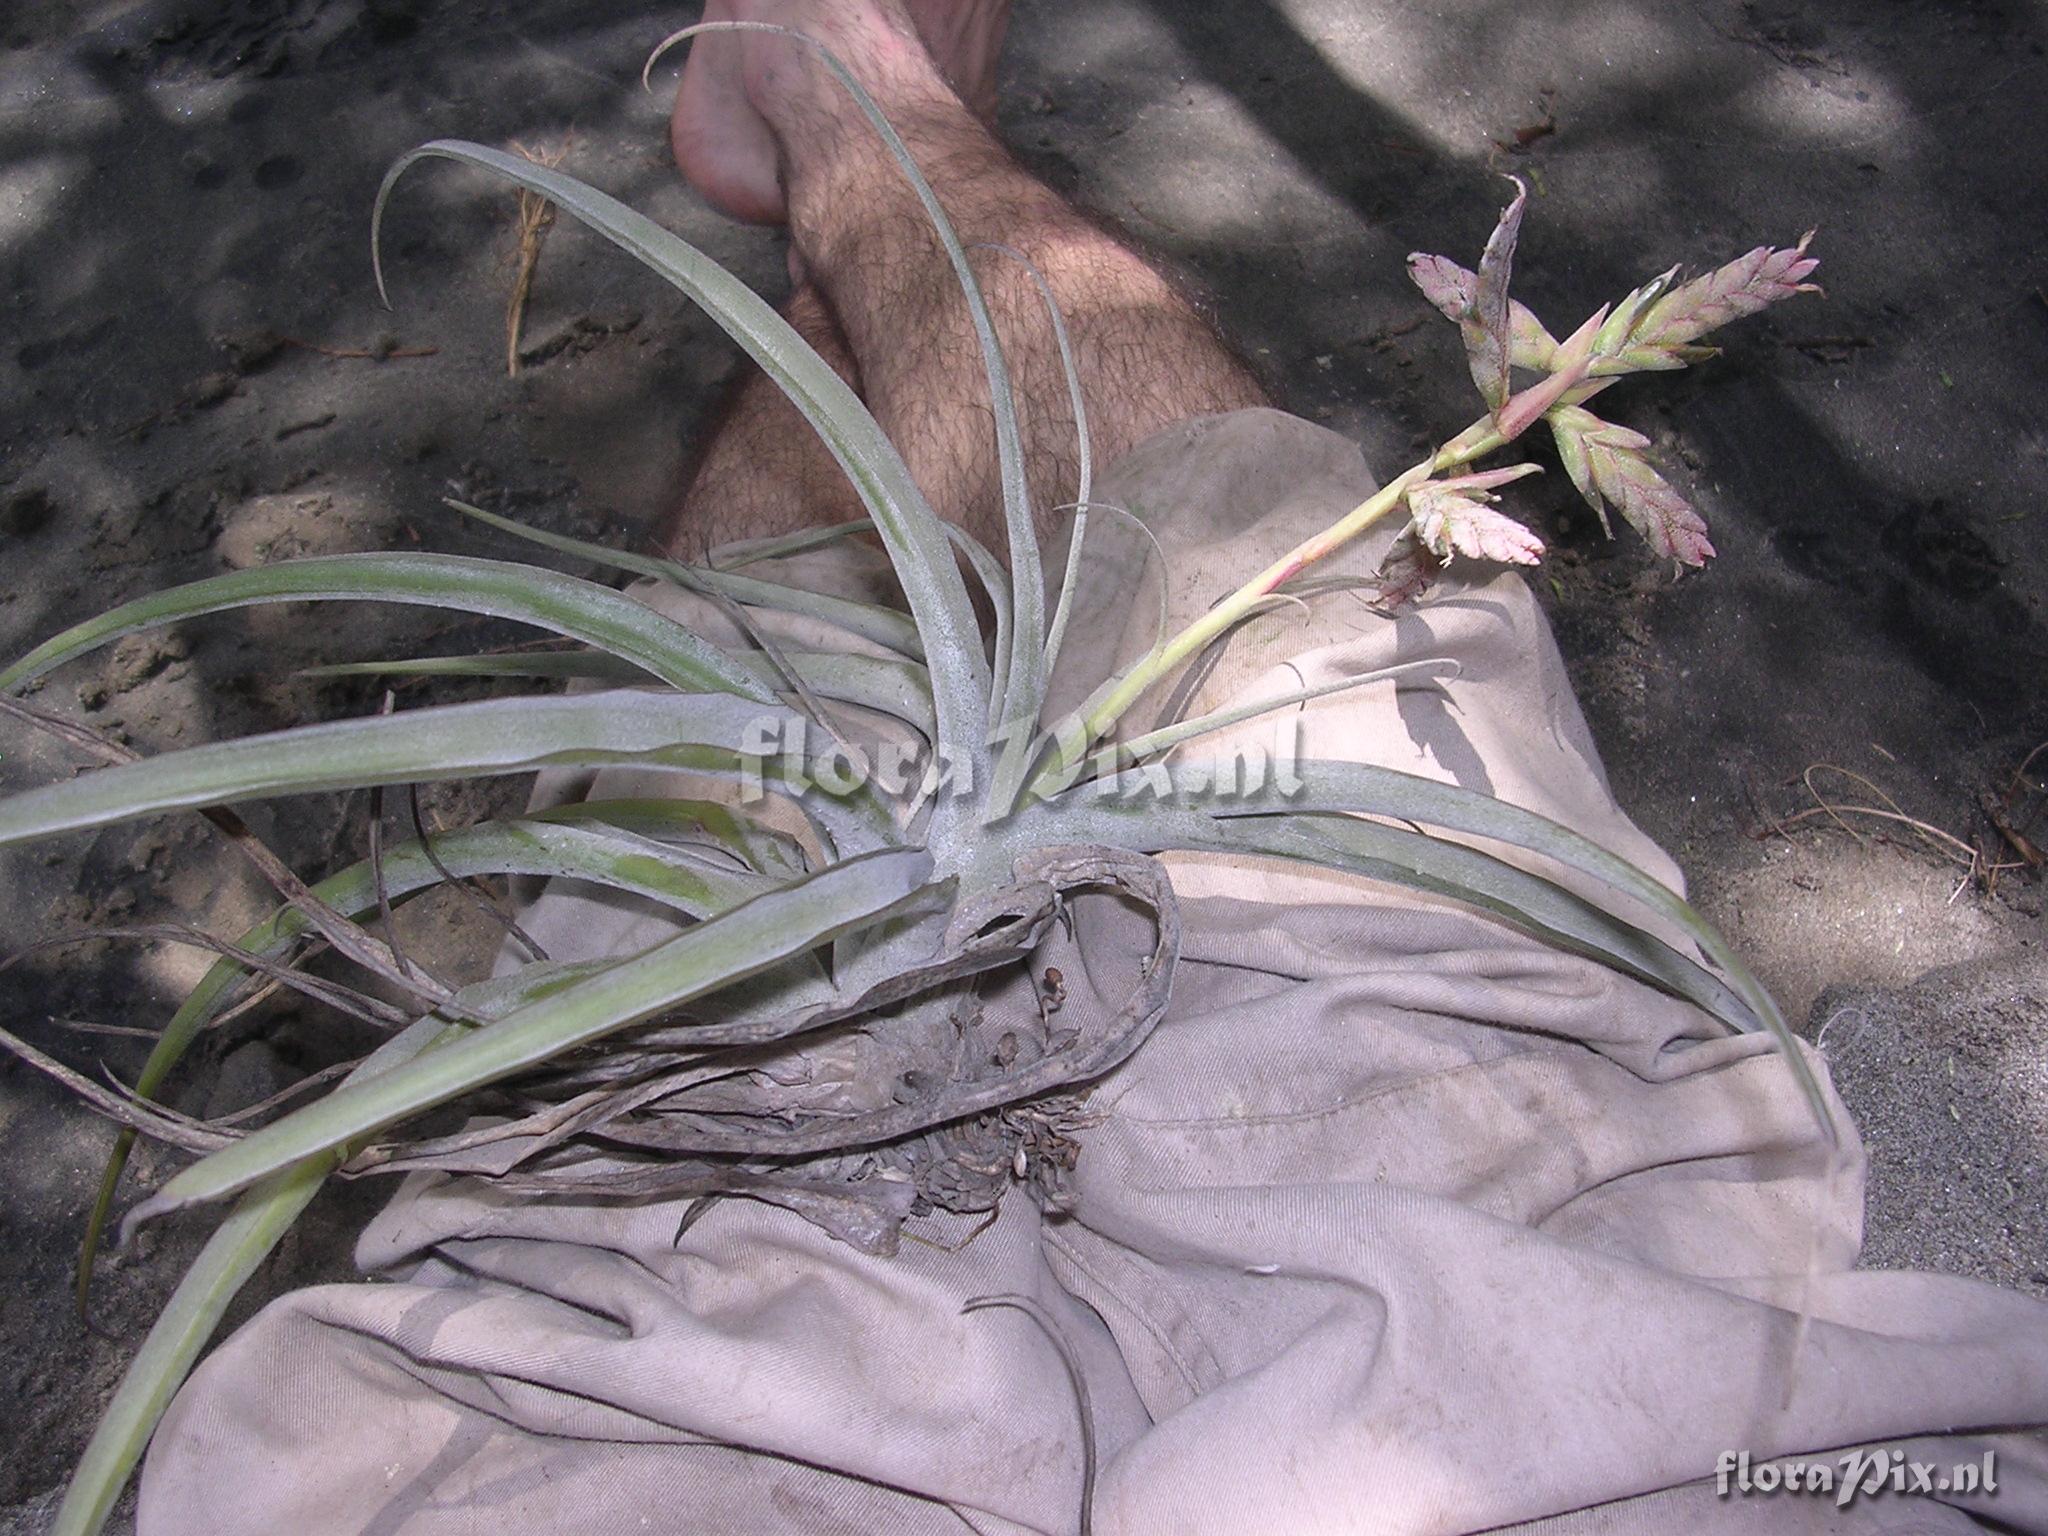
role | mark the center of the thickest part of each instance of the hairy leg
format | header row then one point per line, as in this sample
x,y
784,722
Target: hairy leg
x,y
1146,358
763,471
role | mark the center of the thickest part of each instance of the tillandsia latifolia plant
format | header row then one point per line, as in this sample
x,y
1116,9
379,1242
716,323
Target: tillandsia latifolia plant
x,y
837,897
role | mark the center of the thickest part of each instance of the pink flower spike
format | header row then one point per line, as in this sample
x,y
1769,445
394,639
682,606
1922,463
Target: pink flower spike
x,y
1653,507
1750,282
1449,518
1606,463
1452,527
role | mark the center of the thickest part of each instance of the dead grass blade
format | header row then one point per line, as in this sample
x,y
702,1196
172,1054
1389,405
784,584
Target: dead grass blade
x,y
535,218
121,1108
1976,863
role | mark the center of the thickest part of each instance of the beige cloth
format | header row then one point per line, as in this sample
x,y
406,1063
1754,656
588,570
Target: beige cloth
x,y
1399,1222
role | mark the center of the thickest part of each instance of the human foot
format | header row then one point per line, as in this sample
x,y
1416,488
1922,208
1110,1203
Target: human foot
x,y
724,144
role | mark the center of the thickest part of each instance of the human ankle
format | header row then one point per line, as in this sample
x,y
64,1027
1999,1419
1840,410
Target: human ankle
x,y
814,117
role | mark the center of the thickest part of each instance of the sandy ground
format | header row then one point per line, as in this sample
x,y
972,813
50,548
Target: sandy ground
x,y
198,376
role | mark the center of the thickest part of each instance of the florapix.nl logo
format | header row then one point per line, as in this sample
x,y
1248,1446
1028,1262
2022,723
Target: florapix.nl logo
x,y
1867,1472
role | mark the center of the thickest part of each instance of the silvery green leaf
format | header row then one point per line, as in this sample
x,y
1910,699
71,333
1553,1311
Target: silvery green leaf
x,y
745,552
996,583
1319,822
898,688
581,610
711,734
1016,710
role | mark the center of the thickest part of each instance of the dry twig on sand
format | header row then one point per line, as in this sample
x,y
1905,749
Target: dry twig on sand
x,y
536,218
